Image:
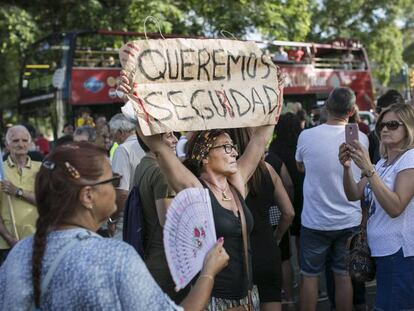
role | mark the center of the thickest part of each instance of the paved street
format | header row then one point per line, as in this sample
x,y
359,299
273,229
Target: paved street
x,y
324,304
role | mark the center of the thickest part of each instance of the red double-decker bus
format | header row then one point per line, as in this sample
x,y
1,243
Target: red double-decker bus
x,y
313,70
66,71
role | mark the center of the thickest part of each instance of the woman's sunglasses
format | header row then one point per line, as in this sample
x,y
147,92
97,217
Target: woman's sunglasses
x,y
115,180
391,125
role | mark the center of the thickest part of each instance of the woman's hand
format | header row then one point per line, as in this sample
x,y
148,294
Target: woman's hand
x,y
123,88
200,293
344,155
360,155
216,259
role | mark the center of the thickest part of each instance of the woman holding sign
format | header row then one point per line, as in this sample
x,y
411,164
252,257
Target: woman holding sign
x,y
213,164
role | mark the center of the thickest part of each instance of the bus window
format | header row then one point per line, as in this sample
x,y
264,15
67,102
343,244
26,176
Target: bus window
x,y
340,59
40,65
97,51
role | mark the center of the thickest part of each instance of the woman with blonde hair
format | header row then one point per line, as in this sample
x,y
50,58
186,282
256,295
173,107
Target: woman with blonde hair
x,y
387,187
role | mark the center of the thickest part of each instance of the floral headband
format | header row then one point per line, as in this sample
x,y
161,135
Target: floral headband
x,y
204,142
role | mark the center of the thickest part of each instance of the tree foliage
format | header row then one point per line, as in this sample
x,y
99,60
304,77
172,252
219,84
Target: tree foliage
x,y
17,31
373,22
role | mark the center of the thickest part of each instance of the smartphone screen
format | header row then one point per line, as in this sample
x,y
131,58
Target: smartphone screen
x,y
351,132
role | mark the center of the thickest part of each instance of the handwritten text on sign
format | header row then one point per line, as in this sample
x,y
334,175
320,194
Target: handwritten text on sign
x,y
193,84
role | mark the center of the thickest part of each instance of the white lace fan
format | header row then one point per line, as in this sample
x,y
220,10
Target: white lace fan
x,y
189,234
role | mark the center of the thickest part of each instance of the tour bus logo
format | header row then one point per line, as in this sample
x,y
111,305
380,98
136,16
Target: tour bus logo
x,y
93,84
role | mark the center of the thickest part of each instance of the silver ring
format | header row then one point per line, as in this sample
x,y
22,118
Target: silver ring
x,y
119,93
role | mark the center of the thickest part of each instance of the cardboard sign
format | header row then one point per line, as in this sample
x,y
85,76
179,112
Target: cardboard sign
x,y
195,84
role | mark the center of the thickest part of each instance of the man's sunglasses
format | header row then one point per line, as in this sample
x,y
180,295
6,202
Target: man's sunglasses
x,y
115,180
391,125
228,148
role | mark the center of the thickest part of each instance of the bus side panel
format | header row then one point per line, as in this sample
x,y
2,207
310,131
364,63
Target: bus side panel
x,y
94,86
304,79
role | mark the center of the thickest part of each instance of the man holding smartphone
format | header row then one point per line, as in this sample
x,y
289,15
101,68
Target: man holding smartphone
x,y
328,218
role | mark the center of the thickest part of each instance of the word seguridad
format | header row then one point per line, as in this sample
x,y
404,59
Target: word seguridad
x,y
192,84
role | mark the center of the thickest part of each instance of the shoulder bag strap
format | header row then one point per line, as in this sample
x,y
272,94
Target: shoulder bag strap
x,y
364,220
245,246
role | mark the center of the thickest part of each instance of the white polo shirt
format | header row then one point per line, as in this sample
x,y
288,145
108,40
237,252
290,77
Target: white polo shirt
x,y
126,158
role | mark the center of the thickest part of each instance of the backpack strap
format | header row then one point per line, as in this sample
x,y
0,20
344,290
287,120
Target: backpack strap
x,y
126,227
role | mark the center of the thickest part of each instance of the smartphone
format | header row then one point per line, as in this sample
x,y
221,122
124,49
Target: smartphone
x,y
351,132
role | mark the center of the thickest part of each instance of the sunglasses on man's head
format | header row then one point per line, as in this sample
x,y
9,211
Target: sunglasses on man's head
x,y
391,125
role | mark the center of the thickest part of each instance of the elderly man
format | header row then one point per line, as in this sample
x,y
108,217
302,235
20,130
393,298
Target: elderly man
x,y
85,133
126,158
17,187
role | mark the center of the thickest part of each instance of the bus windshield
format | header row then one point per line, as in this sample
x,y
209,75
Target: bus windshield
x,y
42,61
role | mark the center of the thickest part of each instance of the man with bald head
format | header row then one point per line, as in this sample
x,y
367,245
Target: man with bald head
x,y
18,185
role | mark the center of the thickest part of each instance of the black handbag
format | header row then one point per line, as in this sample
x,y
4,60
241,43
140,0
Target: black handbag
x,y
361,265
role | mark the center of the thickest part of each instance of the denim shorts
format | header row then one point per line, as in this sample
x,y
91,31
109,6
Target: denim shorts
x,y
395,282
316,246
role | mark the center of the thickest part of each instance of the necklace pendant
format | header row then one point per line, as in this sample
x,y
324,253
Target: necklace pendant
x,y
225,197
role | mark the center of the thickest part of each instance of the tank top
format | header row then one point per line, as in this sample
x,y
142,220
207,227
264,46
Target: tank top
x,y
231,282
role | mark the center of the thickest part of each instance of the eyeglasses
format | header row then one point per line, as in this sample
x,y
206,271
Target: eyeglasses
x,y
115,180
228,148
391,125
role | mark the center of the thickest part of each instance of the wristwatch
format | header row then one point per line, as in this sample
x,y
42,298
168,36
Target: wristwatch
x,y
368,173
19,193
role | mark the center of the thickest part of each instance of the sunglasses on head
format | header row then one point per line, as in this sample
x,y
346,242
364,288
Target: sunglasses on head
x,y
115,180
391,125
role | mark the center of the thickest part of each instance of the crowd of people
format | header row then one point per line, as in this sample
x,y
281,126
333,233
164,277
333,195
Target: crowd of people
x,y
61,218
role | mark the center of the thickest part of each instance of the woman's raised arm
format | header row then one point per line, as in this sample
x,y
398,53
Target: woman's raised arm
x,y
261,136
178,176
250,158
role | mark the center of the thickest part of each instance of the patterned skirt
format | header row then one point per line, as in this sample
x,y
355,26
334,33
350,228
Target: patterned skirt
x,y
221,304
